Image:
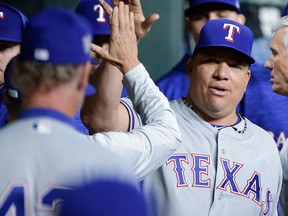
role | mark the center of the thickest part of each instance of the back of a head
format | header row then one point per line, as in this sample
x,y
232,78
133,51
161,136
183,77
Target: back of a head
x,y
12,23
56,36
59,37
228,34
98,18
105,198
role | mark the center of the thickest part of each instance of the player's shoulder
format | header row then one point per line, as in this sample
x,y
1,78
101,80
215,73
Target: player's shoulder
x,y
256,128
260,135
176,104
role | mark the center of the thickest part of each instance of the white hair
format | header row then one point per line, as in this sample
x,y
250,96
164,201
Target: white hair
x,y
282,23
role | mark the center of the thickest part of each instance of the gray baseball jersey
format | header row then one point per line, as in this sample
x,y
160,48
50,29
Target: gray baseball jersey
x,y
217,172
157,139
43,158
48,157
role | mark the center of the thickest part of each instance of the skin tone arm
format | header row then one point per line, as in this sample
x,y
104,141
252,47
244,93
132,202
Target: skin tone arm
x,y
103,111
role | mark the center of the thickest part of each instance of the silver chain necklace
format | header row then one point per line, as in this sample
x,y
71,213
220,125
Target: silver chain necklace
x,y
217,126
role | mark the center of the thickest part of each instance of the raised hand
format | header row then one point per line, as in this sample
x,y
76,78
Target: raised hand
x,y
122,51
142,24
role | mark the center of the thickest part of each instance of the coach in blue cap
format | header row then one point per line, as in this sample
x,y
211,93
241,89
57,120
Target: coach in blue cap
x,y
12,24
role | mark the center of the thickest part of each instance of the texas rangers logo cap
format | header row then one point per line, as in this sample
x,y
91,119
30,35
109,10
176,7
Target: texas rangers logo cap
x,y
93,11
226,33
12,23
194,4
57,36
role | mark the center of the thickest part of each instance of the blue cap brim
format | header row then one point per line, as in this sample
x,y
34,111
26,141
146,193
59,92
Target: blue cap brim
x,y
90,90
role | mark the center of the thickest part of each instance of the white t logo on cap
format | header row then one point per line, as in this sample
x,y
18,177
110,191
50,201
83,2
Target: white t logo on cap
x,y
231,31
101,17
1,15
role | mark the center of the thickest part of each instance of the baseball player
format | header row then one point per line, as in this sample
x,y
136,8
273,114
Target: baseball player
x,y
225,164
175,83
48,158
277,63
12,24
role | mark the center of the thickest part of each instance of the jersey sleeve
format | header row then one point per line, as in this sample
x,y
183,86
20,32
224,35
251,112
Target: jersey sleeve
x,y
284,191
145,148
135,119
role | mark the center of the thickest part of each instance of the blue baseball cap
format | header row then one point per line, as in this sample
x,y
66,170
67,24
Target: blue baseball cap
x,y
93,11
226,33
194,4
12,23
57,36
105,198
285,11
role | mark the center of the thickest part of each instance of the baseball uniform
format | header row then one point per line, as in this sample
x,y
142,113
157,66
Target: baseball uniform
x,y
218,170
40,165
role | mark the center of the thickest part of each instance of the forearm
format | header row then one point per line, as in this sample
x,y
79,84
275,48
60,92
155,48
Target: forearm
x,y
145,148
100,111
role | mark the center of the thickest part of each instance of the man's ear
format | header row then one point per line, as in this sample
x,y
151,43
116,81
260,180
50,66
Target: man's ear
x,y
189,67
241,19
86,69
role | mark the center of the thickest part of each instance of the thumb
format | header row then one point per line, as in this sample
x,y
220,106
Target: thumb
x,y
98,51
149,21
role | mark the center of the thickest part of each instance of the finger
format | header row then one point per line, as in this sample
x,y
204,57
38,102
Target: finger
x,y
115,2
121,16
149,21
127,18
126,1
132,23
98,51
135,3
108,9
114,22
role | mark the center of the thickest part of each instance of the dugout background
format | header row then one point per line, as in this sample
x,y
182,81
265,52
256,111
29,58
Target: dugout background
x,y
167,42
161,49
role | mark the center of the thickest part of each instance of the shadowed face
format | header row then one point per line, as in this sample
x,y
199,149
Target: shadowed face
x,y
8,50
103,41
202,14
277,63
218,80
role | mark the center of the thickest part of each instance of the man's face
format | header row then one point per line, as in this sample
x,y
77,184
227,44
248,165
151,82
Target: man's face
x,y
209,12
277,63
8,50
218,79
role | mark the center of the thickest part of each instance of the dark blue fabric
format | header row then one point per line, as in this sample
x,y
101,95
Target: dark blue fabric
x,y
3,109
